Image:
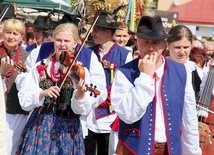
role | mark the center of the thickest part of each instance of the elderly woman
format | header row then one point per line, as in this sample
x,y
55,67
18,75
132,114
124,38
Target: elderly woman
x,y
12,53
54,126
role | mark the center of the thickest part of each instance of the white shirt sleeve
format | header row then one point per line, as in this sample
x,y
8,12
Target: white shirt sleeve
x,y
30,62
98,79
129,101
190,133
19,80
32,57
4,84
29,92
83,106
129,57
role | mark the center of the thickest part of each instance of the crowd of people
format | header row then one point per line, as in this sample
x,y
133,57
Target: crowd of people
x,y
122,93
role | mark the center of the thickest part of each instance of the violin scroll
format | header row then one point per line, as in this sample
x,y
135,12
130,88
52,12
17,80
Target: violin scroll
x,y
77,72
93,90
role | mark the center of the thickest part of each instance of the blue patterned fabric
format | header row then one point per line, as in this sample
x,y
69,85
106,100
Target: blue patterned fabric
x,y
48,134
51,135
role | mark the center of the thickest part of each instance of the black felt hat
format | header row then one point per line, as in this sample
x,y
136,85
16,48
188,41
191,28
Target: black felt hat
x,y
106,20
72,18
9,13
151,28
40,22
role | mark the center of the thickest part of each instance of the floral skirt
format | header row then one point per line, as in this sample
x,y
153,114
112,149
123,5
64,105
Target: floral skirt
x,y
47,134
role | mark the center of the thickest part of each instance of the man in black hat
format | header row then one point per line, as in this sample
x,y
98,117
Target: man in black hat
x,y
154,99
40,27
111,55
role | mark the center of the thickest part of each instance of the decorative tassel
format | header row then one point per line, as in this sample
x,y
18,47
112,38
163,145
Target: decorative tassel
x,y
112,68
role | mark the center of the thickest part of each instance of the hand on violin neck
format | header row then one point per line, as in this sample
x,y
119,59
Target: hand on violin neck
x,y
81,89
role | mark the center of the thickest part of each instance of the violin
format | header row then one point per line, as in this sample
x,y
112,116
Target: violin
x,y
71,59
77,71
21,67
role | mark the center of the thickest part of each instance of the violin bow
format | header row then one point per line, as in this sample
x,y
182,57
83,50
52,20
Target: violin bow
x,y
205,107
80,48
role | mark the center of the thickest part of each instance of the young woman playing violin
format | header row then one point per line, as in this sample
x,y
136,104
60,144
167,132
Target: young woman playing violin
x,y
11,55
54,126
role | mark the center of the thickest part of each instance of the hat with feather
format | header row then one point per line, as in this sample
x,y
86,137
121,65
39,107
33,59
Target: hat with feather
x,y
106,20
